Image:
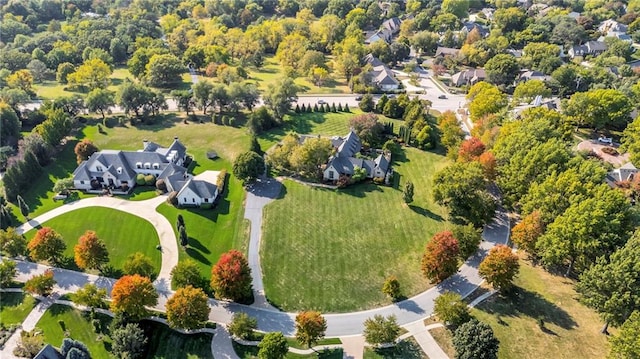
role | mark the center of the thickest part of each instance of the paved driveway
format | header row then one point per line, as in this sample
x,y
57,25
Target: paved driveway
x,y
593,145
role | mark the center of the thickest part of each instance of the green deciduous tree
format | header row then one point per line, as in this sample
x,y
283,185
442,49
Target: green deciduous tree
x,y
188,308
450,308
366,104
90,295
164,70
485,99
528,90
308,158
242,325
8,272
599,108
468,237
381,330
310,327
500,267
279,95
273,346
391,288
631,141
100,100
138,263
40,284
462,189
587,230
440,258
624,345
612,287
186,273
502,69
12,243
248,166
93,73
475,339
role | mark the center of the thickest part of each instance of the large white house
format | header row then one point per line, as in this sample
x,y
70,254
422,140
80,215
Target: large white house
x,y
117,171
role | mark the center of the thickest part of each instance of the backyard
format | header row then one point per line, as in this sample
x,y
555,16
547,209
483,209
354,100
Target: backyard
x,y
163,342
316,232
123,234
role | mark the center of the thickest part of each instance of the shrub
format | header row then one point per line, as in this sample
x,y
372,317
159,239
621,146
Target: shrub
x,y
610,151
380,330
149,180
161,185
30,344
391,288
242,325
451,309
343,181
41,284
172,198
232,121
140,179
225,120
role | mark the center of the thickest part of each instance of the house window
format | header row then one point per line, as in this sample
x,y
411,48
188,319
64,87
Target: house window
x,y
185,200
206,199
81,182
331,174
139,165
193,199
156,166
99,168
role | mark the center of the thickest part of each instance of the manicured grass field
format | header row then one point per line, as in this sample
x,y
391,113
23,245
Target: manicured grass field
x,y
332,250
14,307
49,90
571,329
213,231
271,71
123,233
407,349
79,327
251,352
165,343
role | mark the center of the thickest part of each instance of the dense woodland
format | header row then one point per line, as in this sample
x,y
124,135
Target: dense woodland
x,y
571,221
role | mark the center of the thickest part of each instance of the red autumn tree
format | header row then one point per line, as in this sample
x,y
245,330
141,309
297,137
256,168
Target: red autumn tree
x,y
470,149
500,267
526,233
188,308
488,162
231,277
90,252
440,259
310,327
84,149
46,245
130,295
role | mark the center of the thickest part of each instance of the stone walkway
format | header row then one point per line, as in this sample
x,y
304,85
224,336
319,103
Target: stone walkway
x,y
425,340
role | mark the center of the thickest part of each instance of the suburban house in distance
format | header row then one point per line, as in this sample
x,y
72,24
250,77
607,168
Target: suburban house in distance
x,y
624,173
468,77
117,171
343,162
592,48
380,75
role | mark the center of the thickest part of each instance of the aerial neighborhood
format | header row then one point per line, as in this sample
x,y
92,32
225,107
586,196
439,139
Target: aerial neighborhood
x,y
319,179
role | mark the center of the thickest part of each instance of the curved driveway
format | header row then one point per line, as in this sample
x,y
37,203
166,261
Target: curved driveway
x,y
143,209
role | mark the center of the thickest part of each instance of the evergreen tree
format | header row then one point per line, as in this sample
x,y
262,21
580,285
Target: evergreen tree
x,y
346,108
315,108
24,207
339,107
333,107
297,109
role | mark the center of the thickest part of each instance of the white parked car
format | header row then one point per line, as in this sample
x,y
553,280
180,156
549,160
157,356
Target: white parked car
x,y
603,139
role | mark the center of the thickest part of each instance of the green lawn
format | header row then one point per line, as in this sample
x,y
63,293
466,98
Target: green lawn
x,y
79,327
49,90
311,236
123,233
571,329
271,71
442,336
214,231
407,349
14,307
165,343
320,123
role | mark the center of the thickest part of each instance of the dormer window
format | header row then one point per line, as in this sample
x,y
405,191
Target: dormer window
x,y
119,170
147,165
156,166
99,168
138,164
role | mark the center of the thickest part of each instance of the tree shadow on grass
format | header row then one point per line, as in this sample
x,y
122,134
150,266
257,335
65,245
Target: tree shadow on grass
x,y
195,244
59,309
522,302
360,190
426,213
196,255
336,353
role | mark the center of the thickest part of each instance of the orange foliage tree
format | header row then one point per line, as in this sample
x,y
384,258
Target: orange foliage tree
x,y
231,277
310,327
488,162
90,252
130,295
470,149
188,308
499,267
46,245
526,233
440,259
